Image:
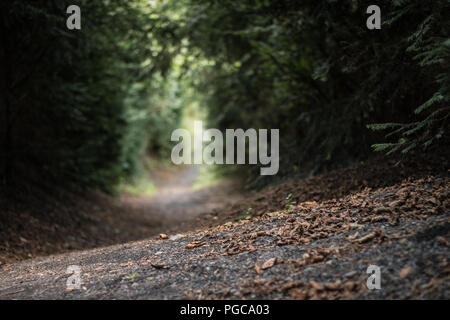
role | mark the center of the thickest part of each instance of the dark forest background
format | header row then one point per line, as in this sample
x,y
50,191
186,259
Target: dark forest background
x,y
80,109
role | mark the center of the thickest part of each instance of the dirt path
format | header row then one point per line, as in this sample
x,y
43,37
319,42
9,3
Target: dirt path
x,y
36,227
177,206
167,270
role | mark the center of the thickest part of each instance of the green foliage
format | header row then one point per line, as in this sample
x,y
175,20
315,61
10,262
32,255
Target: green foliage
x,y
75,105
314,70
428,46
82,108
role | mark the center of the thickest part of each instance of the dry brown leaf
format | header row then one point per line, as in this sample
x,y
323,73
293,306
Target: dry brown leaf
x,y
379,219
317,258
434,201
269,263
158,265
403,190
353,236
355,225
332,286
405,272
298,294
274,214
368,237
351,285
316,285
396,203
195,244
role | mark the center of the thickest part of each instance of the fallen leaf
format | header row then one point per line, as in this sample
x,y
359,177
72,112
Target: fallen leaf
x,y
316,285
379,219
396,203
356,225
269,263
405,272
353,236
351,285
195,244
274,214
402,190
298,294
332,286
368,237
158,266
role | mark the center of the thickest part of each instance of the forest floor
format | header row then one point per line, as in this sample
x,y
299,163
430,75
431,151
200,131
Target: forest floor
x,y
78,222
308,239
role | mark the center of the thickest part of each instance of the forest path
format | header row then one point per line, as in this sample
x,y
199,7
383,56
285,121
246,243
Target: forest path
x,y
177,205
97,220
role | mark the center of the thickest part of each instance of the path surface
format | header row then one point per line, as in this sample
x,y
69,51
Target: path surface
x,y
166,270
302,250
85,221
177,206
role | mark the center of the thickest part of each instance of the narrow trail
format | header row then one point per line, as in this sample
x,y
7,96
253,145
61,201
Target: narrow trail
x,y
177,206
96,220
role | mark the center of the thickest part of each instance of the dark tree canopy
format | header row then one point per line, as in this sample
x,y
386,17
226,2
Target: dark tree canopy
x,y
80,108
